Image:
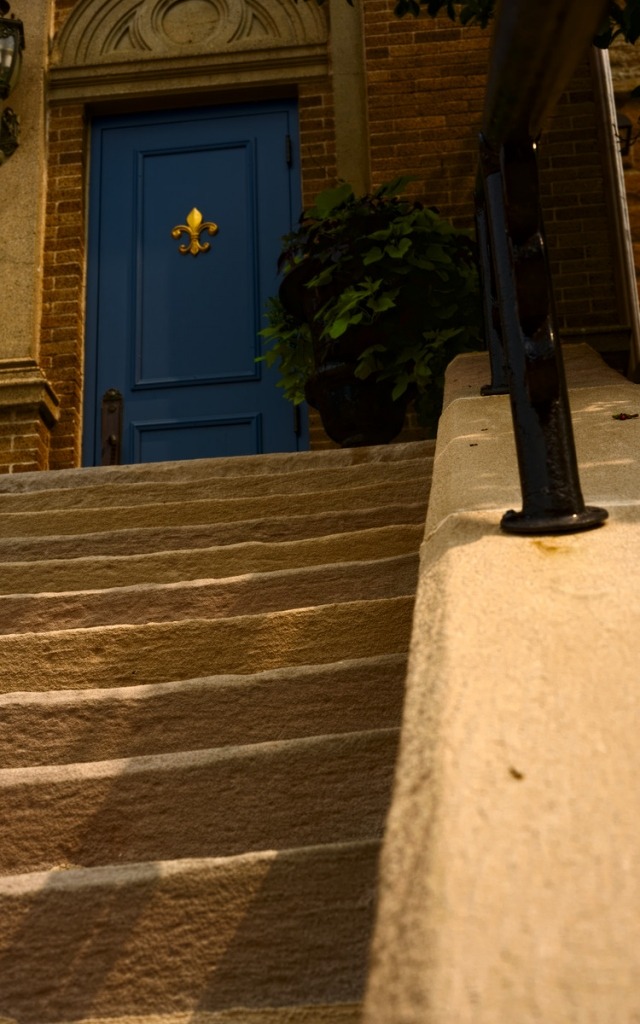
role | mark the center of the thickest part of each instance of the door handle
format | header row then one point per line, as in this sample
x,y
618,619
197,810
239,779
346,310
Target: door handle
x,y
111,432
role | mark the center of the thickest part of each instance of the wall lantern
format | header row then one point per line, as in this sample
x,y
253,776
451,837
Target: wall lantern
x,y
11,47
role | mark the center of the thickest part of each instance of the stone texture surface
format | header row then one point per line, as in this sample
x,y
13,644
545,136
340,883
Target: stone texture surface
x,y
93,34
24,182
248,466
302,485
205,599
276,795
73,726
182,511
198,726
510,882
475,441
346,1013
350,95
177,566
169,538
262,929
162,652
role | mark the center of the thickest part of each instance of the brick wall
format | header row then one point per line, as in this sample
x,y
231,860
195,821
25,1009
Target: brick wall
x,y
62,330
317,139
24,441
426,83
575,212
426,86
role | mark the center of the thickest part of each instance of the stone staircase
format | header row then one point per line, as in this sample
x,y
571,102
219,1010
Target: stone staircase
x,y
201,683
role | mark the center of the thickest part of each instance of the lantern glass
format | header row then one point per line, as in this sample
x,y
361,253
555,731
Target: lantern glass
x,y
11,46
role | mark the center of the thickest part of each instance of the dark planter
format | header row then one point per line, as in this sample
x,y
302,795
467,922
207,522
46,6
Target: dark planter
x,y
355,412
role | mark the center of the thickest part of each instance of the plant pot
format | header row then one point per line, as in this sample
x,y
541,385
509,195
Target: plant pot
x,y
304,304
355,412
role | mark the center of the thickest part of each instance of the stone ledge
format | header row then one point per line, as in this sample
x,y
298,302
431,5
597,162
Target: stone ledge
x,y
510,874
475,465
164,76
23,386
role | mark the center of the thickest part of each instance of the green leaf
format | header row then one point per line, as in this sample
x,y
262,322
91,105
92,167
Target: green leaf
x,y
324,277
383,302
398,251
372,256
331,198
400,388
338,327
437,253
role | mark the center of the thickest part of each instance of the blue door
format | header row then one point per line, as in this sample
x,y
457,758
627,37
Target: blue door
x,y
187,209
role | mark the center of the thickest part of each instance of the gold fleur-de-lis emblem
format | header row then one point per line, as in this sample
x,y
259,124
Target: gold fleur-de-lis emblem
x,y
194,227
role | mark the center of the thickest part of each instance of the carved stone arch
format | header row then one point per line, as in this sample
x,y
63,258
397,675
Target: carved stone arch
x,y
114,31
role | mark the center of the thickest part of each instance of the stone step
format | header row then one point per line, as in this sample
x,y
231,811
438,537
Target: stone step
x,y
61,727
402,474
103,572
260,930
210,599
206,510
203,673
343,1013
169,538
108,656
203,803
193,469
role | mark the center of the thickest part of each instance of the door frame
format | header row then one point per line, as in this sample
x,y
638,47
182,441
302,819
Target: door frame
x,y
89,73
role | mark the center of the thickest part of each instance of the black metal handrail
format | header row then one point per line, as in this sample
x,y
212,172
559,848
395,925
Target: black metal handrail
x,y
535,51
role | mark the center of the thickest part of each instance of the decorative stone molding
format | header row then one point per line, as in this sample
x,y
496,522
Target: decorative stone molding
x,y
112,49
23,385
29,410
126,30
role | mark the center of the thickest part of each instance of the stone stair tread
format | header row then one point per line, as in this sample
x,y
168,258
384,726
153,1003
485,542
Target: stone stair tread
x,y
204,510
163,652
202,686
63,726
208,599
247,465
228,487
336,1013
259,929
218,802
141,540
176,566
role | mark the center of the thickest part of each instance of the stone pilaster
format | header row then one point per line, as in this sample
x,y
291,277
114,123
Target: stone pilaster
x,y
28,411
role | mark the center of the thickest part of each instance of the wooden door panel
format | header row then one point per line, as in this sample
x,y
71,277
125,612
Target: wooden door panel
x,y
227,436
217,312
175,333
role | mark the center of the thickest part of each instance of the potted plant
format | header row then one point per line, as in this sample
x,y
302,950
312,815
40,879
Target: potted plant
x,y
378,294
